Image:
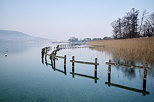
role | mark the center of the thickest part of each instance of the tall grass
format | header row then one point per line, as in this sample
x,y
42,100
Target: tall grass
x,y
131,50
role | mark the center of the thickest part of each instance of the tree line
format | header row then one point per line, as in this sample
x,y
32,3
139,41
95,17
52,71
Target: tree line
x,y
74,39
130,26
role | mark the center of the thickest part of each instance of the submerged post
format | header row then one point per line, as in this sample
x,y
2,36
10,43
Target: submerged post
x,y
109,72
42,61
95,68
65,64
54,63
72,64
144,79
42,53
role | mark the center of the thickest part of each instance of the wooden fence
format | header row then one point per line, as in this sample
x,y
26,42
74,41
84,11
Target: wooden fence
x,y
83,62
53,58
145,68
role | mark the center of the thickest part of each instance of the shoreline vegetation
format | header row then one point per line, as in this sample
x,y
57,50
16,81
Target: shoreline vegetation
x,y
127,51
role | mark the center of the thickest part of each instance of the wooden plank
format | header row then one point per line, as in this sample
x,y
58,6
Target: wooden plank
x,y
125,65
57,56
82,62
128,88
60,57
87,76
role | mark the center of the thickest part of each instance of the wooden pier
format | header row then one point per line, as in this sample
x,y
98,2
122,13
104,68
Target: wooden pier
x,y
71,46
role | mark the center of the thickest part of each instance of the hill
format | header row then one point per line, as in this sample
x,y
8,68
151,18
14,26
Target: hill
x,y
15,36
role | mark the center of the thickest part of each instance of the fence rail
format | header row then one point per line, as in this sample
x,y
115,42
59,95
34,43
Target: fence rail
x,y
83,62
125,65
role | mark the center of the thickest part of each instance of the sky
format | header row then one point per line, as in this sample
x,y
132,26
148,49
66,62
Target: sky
x,y
62,19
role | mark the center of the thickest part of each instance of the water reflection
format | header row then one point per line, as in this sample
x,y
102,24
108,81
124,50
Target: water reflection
x,y
85,76
109,83
129,72
125,56
122,57
143,91
11,48
53,57
52,85
64,71
53,67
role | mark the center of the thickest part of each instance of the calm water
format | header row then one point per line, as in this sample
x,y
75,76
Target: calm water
x,y
24,78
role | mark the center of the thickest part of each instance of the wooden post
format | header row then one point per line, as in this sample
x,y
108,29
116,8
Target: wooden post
x,y
144,79
46,61
95,68
42,53
42,61
109,72
145,74
73,66
65,64
54,63
45,52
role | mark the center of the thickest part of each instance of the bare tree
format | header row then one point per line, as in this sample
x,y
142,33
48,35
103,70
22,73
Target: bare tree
x,y
142,19
117,28
126,27
148,26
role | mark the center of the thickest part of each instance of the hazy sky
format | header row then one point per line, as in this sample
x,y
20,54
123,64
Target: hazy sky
x,y
61,19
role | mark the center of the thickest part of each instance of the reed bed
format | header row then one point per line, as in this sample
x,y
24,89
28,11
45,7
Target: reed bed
x,y
139,50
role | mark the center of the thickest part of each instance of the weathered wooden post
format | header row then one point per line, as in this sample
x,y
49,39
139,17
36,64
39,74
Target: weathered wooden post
x,y
45,52
42,61
42,53
54,63
144,79
73,66
65,64
46,62
109,72
95,72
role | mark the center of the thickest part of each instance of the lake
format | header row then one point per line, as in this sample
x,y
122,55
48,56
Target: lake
x,y
25,77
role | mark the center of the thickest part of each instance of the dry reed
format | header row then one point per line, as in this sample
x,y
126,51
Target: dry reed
x,y
139,50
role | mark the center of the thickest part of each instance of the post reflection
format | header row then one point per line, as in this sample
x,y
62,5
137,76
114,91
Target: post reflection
x,y
85,76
